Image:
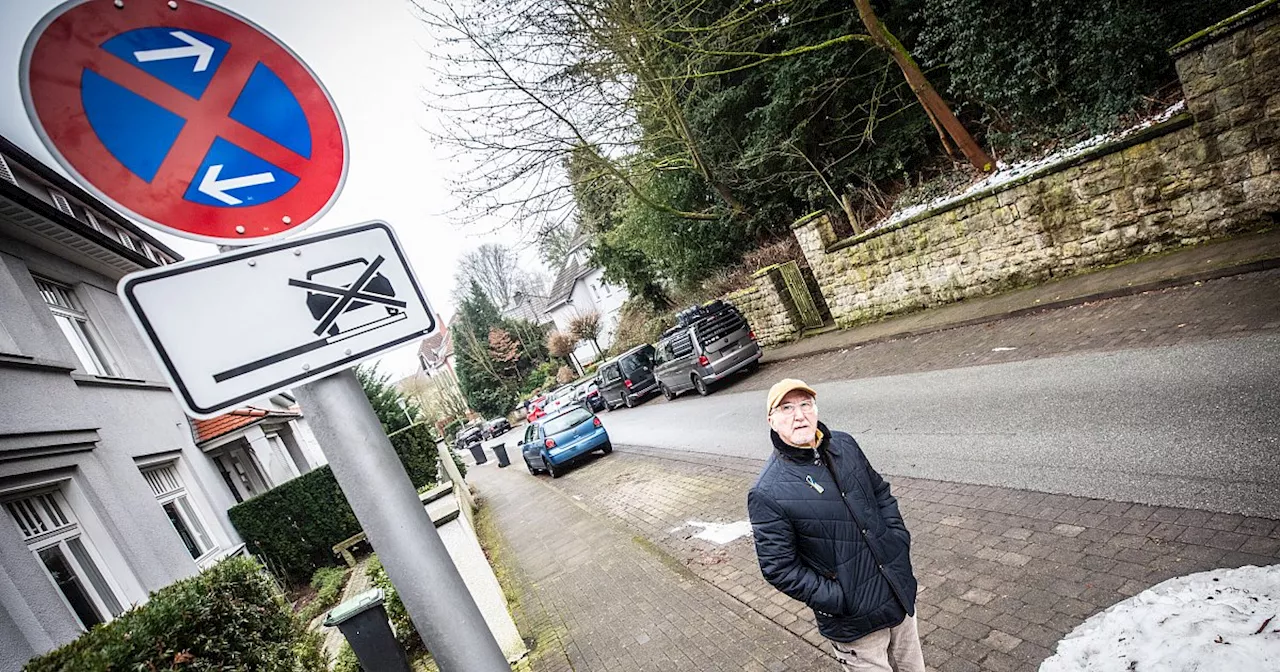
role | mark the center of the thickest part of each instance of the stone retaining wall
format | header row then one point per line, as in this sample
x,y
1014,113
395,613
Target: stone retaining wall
x,y
1209,173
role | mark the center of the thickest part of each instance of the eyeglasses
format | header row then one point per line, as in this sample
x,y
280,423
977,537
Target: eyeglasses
x,y
789,408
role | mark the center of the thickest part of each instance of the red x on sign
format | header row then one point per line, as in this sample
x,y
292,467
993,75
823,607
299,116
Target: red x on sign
x,y
186,116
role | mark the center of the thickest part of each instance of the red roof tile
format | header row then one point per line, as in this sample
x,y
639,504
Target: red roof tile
x,y
207,430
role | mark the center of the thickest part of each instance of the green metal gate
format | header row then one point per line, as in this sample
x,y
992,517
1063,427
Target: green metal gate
x,y
810,318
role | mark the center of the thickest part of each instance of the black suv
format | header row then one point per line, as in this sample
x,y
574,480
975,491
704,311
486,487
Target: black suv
x,y
627,378
708,344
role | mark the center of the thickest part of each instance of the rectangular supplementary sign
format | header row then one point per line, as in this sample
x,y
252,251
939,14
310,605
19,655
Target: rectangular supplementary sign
x,y
244,324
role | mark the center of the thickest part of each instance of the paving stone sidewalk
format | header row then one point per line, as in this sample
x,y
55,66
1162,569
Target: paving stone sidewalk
x,y
594,596
1004,574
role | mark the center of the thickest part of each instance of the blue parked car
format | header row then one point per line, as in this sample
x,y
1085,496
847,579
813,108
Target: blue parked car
x,y
549,444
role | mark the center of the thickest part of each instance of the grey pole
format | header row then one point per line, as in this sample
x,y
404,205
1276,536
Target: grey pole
x,y
398,526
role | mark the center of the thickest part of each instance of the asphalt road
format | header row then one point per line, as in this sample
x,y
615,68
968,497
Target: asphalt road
x,y
1194,425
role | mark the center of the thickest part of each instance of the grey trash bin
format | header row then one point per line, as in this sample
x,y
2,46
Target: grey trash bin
x,y
477,452
501,451
363,621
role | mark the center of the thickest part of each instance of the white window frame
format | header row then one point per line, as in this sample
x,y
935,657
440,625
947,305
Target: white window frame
x,y
74,323
61,534
93,221
168,487
6,173
126,239
61,202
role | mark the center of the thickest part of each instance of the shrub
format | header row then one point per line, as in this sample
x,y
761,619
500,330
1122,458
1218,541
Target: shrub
x,y
1051,67
328,583
346,660
295,525
228,617
451,430
638,324
406,634
416,447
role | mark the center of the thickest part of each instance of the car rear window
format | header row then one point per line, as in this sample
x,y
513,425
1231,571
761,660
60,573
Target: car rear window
x,y
635,360
719,325
562,422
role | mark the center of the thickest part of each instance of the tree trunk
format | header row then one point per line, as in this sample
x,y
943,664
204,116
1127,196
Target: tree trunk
x,y
939,113
846,203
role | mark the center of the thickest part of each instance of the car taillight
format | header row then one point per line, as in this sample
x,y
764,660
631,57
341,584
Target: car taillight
x,y
703,361
751,334
550,443
627,382
595,421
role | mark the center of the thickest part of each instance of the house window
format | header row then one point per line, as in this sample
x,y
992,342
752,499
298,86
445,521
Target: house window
x,y
167,486
126,239
74,324
6,174
60,202
52,533
93,221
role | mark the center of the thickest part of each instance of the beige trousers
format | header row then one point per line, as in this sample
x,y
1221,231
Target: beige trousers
x,y
895,649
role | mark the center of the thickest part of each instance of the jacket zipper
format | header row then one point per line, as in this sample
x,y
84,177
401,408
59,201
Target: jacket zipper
x,y
821,460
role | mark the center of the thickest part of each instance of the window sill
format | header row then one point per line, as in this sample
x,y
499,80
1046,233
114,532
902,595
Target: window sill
x,y
107,381
24,362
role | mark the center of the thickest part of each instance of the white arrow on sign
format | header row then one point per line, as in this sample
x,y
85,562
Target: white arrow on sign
x,y
202,52
210,185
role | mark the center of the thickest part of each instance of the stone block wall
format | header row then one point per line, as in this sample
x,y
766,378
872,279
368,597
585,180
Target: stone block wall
x,y
768,308
1209,173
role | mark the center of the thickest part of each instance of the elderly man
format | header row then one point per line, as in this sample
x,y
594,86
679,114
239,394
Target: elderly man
x,y
828,533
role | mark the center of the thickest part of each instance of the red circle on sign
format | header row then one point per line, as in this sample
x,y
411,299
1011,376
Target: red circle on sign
x,y
68,42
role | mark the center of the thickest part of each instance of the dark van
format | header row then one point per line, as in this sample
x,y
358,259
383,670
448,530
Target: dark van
x,y
627,378
709,344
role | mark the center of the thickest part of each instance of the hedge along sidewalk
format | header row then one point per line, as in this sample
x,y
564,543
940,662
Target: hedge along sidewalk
x,y
1245,254
295,525
228,617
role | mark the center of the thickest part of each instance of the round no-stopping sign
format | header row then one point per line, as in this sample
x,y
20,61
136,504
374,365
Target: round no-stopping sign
x,y
185,116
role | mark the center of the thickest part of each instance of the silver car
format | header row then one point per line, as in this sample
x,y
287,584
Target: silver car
x,y
711,343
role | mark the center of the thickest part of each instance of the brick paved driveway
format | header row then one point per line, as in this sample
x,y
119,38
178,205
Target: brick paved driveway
x,y
1004,574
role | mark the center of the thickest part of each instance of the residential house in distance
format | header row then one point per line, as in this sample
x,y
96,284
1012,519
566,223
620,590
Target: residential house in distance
x,y
255,448
107,491
580,288
435,353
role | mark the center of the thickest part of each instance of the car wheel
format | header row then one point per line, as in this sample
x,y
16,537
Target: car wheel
x,y
530,466
607,447
667,393
700,385
626,399
552,469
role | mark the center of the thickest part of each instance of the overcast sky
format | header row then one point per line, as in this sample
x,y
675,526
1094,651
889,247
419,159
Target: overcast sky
x,y
372,57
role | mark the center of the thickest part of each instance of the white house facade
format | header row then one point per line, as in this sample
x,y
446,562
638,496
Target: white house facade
x,y
579,288
105,493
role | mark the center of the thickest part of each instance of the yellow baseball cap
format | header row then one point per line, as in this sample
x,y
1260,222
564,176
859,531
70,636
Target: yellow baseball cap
x,y
782,387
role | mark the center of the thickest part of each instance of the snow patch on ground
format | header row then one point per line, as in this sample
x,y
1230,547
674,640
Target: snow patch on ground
x,y
1007,172
719,533
1215,620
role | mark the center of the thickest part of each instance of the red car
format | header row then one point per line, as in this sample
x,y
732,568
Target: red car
x,y
535,408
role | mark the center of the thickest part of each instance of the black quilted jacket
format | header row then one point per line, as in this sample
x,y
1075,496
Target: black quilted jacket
x,y
840,547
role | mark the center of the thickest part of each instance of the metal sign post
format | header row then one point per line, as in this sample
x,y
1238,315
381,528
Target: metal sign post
x,y
298,314
398,526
